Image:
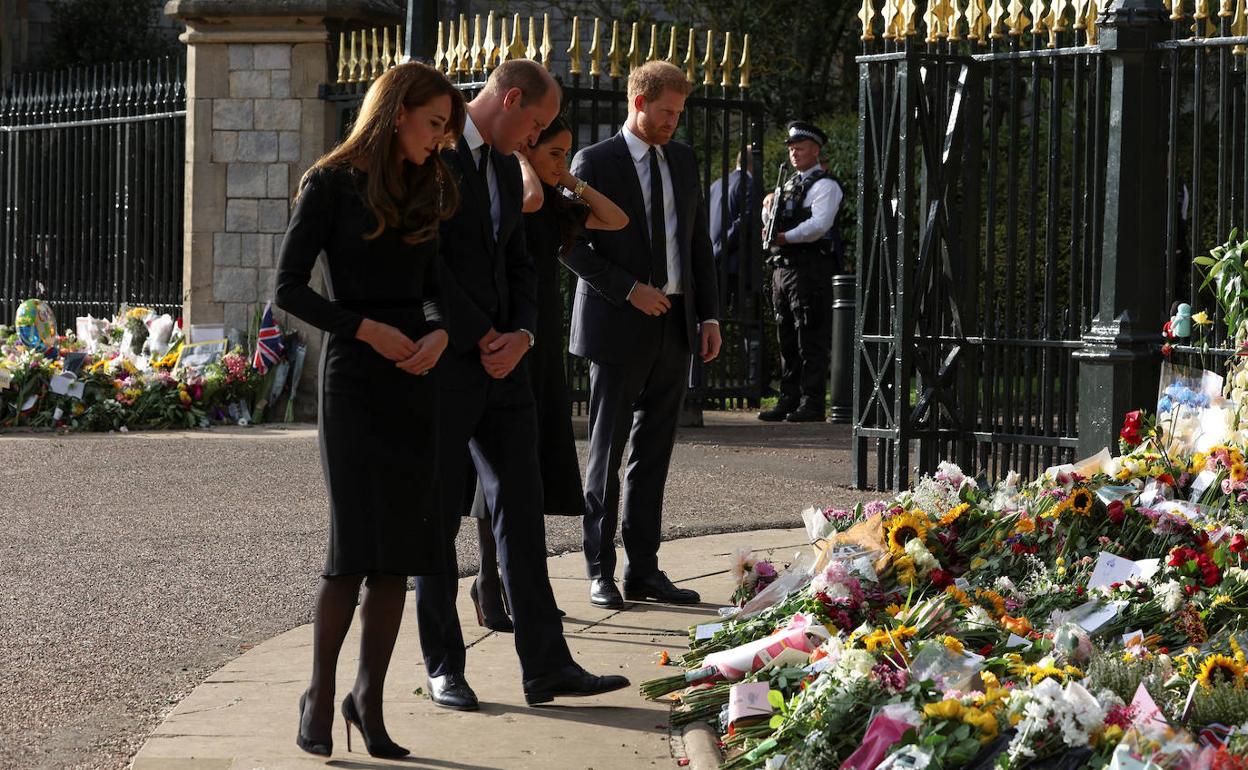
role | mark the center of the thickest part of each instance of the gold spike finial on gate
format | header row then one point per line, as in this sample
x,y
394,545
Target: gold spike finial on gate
x,y
547,45
342,57
744,81
386,61
595,49
448,65
1093,31
1176,10
691,63
500,55
653,53
398,44
866,17
956,18
909,13
574,48
728,64
474,64
352,62
634,50
380,54
489,50
516,49
890,19
708,62
461,49
1038,14
996,10
1018,20
615,54
977,21
1228,9
1239,26
530,48
931,20
673,48
1202,10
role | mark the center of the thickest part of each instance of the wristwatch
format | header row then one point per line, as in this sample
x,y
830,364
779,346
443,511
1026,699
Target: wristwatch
x,y
529,334
580,188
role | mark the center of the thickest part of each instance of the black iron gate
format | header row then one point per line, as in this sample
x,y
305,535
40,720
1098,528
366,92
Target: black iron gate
x,y
91,199
1022,188
720,121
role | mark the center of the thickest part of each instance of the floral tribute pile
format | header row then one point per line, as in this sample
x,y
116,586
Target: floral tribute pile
x,y
137,370
1093,617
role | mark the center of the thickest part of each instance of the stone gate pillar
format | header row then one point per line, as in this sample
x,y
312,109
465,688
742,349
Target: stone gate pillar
x,y
254,125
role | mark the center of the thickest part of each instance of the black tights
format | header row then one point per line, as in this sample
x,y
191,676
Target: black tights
x,y
380,613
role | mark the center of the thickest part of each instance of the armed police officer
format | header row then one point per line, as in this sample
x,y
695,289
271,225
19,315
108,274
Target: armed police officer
x,y
806,251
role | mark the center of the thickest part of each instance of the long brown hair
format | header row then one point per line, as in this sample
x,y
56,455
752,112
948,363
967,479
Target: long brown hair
x,y
414,198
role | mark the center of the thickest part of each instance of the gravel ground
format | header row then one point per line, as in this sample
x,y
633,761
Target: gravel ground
x,y
137,564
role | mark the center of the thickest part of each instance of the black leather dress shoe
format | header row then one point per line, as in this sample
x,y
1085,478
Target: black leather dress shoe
x,y
603,593
658,587
804,414
574,683
451,691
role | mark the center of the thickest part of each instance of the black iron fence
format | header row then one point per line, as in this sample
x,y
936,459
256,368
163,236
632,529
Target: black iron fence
x,y
1031,194
91,201
720,121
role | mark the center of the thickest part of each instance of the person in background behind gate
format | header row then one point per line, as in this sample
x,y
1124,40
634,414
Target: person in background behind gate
x,y
806,252
646,299
373,205
560,208
726,230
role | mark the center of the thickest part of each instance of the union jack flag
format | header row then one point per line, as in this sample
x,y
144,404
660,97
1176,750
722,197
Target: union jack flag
x,y
269,347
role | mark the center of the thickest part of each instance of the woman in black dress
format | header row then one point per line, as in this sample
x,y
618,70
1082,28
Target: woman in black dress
x,y
552,222
373,205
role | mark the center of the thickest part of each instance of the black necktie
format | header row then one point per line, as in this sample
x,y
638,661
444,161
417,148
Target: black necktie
x,y
483,164
658,225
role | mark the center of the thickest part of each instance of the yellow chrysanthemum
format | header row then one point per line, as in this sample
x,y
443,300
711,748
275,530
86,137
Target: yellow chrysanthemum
x,y
985,723
904,528
1220,668
893,609
945,709
1239,472
954,514
953,644
1037,673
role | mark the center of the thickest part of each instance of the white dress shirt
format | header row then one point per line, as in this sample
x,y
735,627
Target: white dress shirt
x,y
640,151
474,139
824,199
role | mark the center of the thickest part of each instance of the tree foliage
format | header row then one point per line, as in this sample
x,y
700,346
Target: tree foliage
x,y
100,31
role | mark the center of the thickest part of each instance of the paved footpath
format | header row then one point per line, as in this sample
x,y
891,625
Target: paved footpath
x,y
243,717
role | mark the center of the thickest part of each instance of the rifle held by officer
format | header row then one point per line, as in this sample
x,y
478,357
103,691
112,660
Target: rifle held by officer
x,y
769,231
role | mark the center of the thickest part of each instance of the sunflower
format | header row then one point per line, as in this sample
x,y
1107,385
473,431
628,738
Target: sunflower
x,y
1220,668
954,514
1037,673
904,528
1081,501
992,601
1239,472
958,595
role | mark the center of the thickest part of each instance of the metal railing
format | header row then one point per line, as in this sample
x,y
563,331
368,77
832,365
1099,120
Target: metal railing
x,y
91,203
1018,246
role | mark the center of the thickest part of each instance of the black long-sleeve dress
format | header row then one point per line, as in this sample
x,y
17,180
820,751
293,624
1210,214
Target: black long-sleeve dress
x,y
377,438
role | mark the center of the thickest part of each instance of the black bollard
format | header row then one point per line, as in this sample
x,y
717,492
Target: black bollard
x,y
842,390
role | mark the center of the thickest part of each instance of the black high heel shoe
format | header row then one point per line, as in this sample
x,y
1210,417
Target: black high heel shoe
x,y
377,745
492,615
310,746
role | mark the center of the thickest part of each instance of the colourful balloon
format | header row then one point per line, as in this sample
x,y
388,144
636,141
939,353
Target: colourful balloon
x,y
36,324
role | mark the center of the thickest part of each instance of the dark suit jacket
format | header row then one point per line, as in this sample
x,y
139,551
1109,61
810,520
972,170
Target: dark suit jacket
x,y
606,328
726,242
491,282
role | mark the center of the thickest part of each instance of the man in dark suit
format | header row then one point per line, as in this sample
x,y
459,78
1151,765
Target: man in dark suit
x,y
727,225
485,401
645,300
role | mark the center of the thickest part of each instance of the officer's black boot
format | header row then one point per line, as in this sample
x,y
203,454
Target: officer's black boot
x,y
780,411
810,410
